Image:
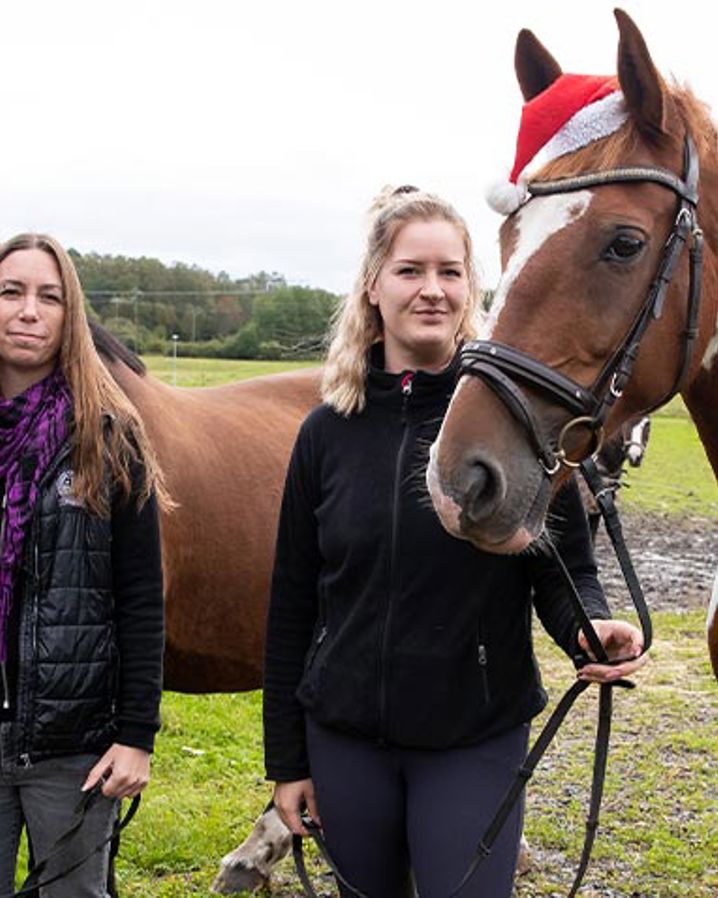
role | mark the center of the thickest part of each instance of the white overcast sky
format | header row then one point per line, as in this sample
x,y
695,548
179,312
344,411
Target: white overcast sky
x,y
245,135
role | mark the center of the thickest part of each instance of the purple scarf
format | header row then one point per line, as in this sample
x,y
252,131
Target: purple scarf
x,y
33,426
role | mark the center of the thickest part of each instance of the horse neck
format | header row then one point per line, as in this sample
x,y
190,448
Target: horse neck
x,y
701,394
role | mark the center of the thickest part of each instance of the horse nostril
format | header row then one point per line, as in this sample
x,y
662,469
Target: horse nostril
x,y
481,490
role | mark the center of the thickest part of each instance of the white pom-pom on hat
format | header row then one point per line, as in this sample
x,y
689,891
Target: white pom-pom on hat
x,y
505,197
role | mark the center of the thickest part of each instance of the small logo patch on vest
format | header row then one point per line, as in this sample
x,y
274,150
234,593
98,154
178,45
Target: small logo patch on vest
x,y
65,489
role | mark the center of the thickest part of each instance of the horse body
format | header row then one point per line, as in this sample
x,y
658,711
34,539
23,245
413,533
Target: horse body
x,y
578,267
224,451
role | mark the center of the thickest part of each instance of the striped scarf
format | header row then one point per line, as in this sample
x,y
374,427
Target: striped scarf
x,y
33,426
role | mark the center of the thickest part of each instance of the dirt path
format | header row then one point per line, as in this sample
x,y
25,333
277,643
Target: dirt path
x,y
675,559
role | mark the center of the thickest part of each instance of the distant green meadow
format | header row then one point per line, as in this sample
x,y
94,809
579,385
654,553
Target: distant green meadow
x,y
659,834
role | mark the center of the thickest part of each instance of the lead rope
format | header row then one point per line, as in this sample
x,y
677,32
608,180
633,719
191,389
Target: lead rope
x,y
607,506
30,885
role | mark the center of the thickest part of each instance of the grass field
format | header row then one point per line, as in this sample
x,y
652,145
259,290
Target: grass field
x,y
659,835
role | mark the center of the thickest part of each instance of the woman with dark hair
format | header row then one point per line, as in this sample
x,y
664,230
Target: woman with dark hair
x,y
400,677
81,612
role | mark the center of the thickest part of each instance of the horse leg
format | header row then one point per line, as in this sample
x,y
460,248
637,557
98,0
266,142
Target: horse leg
x,y
249,865
524,863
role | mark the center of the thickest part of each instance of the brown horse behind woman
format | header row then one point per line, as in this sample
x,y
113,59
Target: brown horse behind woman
x,y
581,318
224,451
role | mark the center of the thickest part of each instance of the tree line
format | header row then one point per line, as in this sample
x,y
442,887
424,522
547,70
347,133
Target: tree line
x,y
150,306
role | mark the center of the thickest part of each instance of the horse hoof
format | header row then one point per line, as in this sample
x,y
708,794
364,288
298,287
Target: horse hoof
x,y
234,878
524,863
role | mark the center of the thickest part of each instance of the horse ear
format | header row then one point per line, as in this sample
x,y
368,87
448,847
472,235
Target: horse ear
x,y
640,81
535,68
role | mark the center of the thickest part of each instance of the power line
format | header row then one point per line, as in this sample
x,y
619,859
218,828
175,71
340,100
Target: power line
x,y
140,294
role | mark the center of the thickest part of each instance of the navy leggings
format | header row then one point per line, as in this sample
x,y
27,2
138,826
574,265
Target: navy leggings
x,y
390,812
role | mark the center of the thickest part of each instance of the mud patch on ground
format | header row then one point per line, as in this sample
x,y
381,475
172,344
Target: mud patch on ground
x,y
675,560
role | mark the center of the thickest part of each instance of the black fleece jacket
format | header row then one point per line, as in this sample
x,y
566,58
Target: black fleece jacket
x,y
381,624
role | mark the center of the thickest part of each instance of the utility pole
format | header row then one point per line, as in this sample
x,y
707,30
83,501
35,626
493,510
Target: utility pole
x,y
136,293
175,338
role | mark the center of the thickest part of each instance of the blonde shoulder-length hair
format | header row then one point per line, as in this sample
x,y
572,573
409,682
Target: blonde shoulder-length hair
x,y
358,324
97,446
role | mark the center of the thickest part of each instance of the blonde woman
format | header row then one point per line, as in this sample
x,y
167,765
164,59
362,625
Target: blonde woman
x,y
400,678
81,614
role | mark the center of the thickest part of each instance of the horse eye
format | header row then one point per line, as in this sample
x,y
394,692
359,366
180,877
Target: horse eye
x,y
623,248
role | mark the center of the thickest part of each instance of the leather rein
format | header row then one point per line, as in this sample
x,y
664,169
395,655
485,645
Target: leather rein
x,y
503,368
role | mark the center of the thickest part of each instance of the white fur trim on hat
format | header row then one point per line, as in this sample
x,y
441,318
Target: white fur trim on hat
x,y
590,123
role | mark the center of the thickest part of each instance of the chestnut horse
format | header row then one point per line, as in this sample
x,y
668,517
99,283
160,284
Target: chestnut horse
x,y
224,451
583,331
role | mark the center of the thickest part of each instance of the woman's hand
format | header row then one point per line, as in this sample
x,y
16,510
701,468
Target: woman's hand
x,y
290,799
620,640
126,772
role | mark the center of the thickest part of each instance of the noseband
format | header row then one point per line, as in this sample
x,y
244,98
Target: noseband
x,y
504,368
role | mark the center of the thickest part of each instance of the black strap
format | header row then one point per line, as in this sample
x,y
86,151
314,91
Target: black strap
x,y
298,853
600,760
32,883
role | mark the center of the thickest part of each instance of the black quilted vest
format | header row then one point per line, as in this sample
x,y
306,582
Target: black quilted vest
x,y
68,659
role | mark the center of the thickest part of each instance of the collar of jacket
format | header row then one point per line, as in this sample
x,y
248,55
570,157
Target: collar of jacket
x,y
426,388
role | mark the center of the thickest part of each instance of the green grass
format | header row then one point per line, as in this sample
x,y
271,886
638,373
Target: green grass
x,y
658,835
675,476
212,372
659,832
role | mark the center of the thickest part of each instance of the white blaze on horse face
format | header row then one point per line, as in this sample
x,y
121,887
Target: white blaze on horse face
x,y
535,223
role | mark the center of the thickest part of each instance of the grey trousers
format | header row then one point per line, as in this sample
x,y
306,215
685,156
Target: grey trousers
x,y
43,798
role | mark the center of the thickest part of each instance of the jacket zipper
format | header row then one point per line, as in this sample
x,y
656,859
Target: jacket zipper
x,y
483,657
406,388
314,651
24,677
3,665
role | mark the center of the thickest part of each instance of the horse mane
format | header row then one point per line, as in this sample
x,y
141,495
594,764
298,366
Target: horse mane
x,y
110,348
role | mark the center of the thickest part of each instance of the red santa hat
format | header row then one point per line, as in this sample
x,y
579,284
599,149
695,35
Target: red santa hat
x,y
571,112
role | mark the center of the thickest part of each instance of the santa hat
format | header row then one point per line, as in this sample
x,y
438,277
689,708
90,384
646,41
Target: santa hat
x,y
571,112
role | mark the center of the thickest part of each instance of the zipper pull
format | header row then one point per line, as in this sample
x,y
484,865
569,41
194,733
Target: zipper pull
x,y
483,659
406,388
5,689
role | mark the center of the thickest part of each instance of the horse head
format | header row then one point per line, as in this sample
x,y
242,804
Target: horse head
x,y
587,327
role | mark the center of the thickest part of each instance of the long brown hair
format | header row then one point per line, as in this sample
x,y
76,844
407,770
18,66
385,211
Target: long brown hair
x,y
358,324
107,430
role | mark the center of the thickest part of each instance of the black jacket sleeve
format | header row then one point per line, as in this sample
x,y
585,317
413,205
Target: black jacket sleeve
x,y
569,531
139,617
293,613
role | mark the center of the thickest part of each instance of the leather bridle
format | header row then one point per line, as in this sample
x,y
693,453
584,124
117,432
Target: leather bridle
x,y
506,369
